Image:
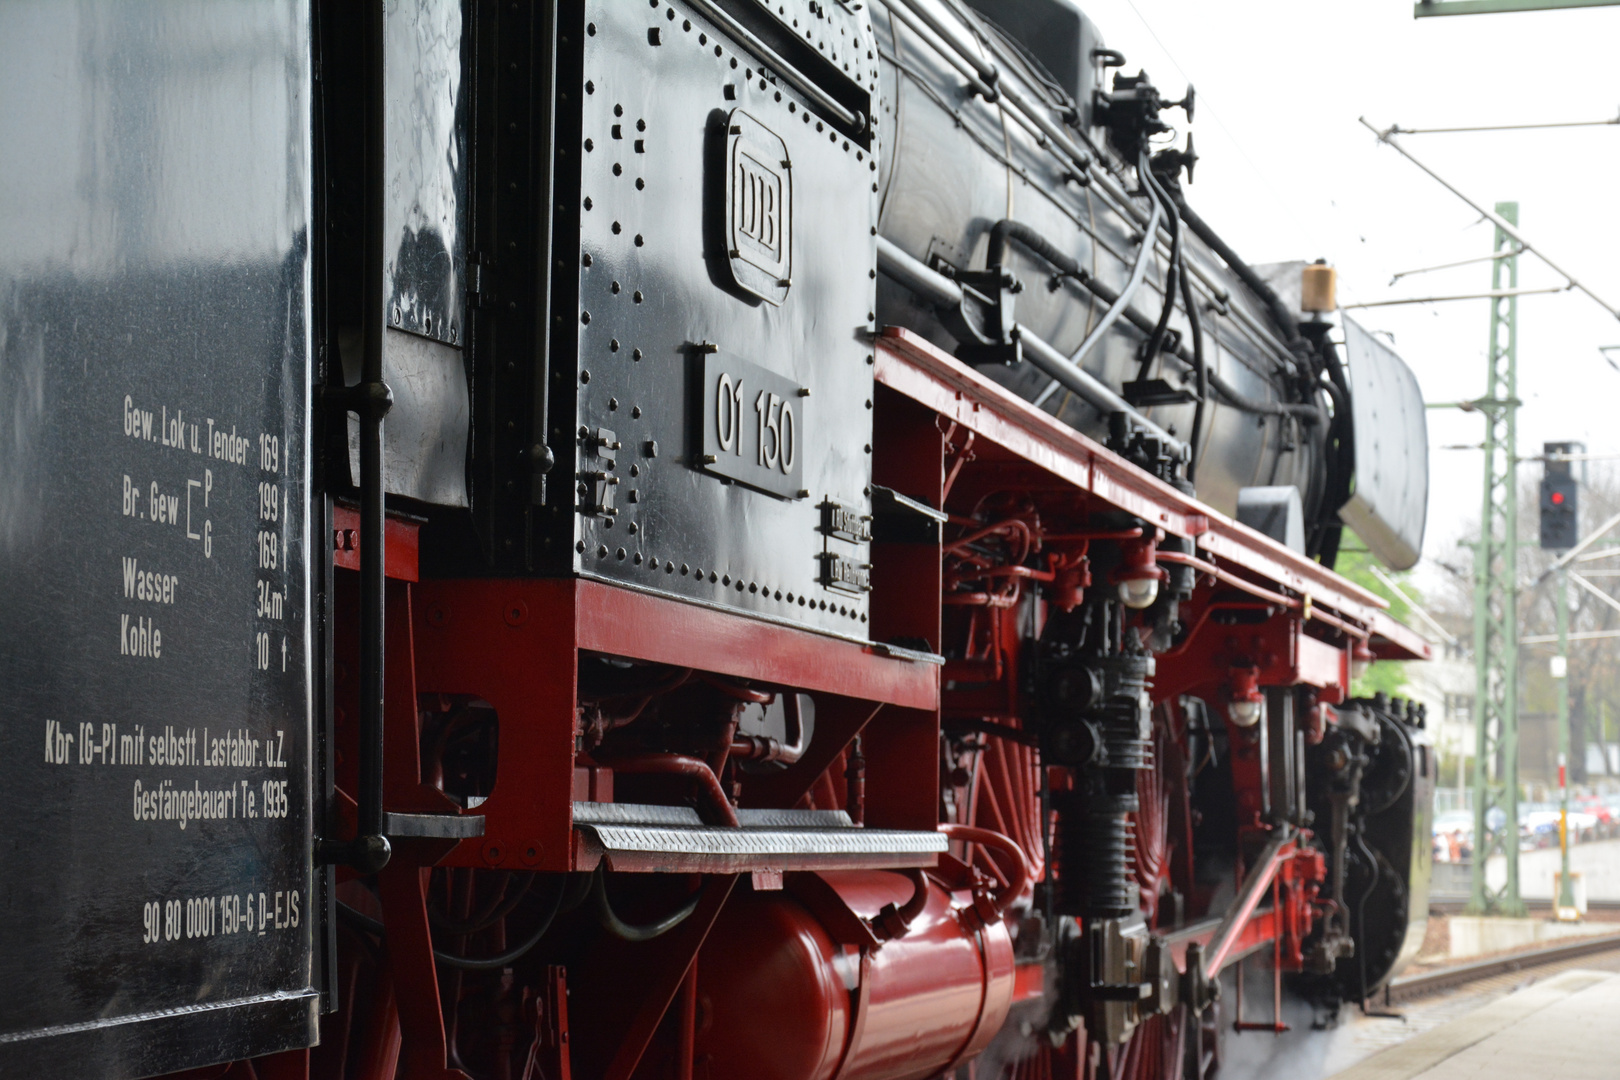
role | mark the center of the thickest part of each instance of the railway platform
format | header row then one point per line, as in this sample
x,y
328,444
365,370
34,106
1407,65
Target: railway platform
x,y
1563,1027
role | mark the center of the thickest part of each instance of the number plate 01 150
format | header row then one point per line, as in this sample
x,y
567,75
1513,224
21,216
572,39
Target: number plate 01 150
x,y
753,426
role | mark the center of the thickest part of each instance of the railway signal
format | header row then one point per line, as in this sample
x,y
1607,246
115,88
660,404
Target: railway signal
x,y
1560,499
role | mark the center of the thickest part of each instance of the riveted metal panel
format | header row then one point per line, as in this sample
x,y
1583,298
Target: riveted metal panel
x,y
656,297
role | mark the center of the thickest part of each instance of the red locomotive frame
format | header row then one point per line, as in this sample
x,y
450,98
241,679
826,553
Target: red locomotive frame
x,y
944,435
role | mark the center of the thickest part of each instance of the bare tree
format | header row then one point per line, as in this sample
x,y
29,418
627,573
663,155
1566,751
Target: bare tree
x,y
1594,661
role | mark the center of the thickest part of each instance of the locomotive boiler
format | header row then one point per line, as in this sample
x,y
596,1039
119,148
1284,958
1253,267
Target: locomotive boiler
x,y
672,538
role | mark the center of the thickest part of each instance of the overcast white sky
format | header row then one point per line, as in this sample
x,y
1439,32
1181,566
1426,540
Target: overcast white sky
x,y
1286,172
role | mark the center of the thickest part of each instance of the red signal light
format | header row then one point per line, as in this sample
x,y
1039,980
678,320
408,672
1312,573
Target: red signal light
x,y
1558,498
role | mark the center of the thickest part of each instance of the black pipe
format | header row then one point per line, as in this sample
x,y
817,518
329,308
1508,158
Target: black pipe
x,y
502,906
1283,317
1310,413
1002,231
1005,230
610,921
1200,369
467,963
1341,461
1150,350
1189,302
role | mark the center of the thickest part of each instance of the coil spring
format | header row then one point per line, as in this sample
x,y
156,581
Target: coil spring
x,y
1096,843
1096,848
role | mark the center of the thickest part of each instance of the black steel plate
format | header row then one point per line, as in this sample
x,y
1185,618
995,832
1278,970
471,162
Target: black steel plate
x,y
670,102
155,870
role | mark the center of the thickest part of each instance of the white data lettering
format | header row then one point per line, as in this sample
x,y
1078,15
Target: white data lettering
x,y
228,446
139,638
217,772
148,585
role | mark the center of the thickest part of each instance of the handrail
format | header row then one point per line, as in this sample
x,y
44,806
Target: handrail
x,y
936,287
800,82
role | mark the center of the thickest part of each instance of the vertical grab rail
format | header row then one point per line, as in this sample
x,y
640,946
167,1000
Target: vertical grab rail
x,y
370,400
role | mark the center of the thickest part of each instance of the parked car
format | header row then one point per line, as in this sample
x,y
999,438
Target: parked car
x,y
1608,818
1542,821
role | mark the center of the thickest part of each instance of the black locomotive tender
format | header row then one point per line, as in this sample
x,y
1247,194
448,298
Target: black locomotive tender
x,y
633,256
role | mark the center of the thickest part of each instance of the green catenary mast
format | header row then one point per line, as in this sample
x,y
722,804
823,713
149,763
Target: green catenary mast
x,y
1496,617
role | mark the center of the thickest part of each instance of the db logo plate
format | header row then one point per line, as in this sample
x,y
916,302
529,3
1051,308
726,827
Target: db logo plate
x,y
759,194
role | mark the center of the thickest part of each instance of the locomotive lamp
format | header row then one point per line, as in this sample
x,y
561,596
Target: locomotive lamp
x,y
1138,575
1317,287
1246,702
1139,592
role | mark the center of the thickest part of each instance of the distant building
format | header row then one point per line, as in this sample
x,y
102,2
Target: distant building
x,y
1445,687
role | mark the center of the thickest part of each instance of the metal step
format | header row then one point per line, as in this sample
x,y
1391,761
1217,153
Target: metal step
x,y
673,839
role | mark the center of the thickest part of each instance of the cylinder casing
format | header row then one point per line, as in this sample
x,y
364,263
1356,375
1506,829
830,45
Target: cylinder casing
x,y
779,993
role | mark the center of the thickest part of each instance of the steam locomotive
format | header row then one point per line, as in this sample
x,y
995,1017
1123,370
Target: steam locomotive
x,y
671,538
